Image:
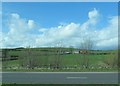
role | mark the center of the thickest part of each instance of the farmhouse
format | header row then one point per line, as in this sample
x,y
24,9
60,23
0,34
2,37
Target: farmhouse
x,y
67,52
83,51
76,52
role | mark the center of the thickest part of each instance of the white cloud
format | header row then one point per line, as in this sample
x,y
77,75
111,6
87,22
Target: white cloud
x,y
67,35
108,36
18,32
15,15
31,24
70,34
54,35
108,42
93,14
42,30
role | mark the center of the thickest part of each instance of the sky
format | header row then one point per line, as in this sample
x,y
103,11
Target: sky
x,y
55,24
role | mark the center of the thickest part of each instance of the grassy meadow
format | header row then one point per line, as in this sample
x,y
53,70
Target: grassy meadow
x,y
56,60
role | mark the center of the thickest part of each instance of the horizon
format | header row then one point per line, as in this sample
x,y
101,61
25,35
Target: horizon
x,y
58,47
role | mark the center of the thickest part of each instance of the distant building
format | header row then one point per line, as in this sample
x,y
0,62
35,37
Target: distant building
x,y
76,52
83,51
67,52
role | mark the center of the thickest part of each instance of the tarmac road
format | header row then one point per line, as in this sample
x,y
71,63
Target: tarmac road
x,y
60,77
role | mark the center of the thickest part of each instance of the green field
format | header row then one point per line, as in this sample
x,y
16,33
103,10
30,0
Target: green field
x,y
42,58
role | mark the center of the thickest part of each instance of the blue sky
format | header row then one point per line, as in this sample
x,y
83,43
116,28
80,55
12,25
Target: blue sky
x,y
49,18
51,14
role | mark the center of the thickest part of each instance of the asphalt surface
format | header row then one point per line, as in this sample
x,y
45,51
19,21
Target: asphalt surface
x,y
60,77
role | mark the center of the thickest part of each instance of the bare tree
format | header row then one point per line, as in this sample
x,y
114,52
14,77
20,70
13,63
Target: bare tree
x,y
57,63
32,58
27,58
71,48
87,45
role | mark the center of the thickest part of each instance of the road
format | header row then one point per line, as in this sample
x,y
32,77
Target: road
x,y
60,77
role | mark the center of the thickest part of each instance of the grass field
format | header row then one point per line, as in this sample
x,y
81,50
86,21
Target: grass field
x,y
68,62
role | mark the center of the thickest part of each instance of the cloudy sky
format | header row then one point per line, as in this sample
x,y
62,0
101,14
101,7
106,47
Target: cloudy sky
x,y
59,24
